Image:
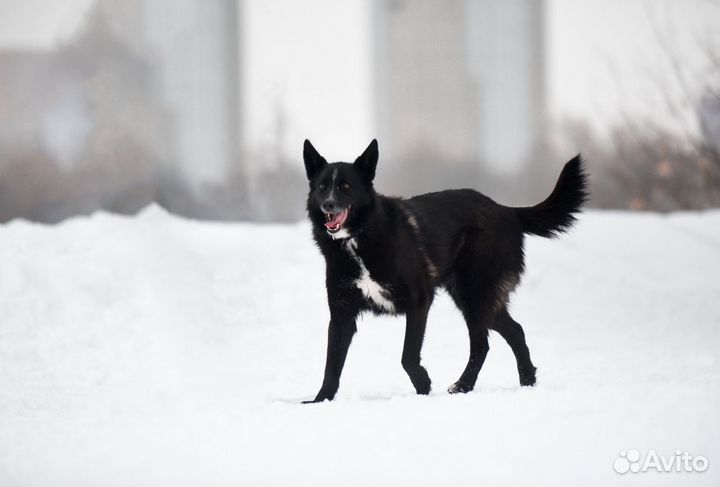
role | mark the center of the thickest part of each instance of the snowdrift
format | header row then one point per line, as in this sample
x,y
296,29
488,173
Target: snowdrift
x,y
156,350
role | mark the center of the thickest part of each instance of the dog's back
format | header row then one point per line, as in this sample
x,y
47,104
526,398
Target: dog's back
x,y
467,224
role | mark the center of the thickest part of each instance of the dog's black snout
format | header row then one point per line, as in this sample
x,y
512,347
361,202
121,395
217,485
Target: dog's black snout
x,y
330,207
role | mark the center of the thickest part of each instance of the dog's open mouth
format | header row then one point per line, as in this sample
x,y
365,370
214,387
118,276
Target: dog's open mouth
x,y
335,221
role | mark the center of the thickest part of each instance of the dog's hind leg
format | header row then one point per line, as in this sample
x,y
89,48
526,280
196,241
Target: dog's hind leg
x,y
476,320
513,334
416,320
477,300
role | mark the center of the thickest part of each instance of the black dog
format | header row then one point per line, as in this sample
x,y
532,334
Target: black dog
x,y
389,255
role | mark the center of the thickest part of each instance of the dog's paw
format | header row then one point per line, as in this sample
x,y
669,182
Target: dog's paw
x,y
423,389
420,380
459,388
422,385
313,401
321,397
527,376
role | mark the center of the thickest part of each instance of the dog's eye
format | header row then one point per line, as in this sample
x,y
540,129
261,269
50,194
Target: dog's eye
x,y
344,186
322,185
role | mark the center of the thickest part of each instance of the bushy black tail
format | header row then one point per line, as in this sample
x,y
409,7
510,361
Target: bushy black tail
x,y
557,213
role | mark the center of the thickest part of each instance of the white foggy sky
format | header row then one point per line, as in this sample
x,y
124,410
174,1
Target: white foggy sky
x,y
38,23
313,58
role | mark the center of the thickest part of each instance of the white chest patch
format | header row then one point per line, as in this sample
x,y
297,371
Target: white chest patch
x,y
342,233
370,288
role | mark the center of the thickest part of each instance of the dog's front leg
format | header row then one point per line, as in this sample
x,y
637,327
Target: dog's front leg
x,y
340,333
414,334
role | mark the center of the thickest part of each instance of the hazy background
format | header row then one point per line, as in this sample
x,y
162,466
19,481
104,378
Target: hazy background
x,y
202,106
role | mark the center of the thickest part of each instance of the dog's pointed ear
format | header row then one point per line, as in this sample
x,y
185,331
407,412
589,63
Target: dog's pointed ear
x,y
367,162
313,160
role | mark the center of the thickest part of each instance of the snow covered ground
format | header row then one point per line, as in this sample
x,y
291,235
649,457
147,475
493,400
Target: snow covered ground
x,y
156,350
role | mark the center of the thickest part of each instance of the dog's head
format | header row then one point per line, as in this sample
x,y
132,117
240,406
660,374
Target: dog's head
x,y
341,194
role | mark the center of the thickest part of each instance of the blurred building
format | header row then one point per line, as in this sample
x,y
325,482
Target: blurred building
x,y
709,113
53,102
194,47
462,80
35,92
140,105
181,56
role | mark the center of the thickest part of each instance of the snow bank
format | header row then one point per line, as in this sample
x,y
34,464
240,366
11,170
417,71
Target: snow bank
x,y
155,350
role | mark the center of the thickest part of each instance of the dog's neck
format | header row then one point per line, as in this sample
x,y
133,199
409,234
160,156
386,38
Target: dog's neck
x,y
374,221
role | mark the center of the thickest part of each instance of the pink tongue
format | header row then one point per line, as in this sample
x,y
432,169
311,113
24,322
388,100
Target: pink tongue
x,y
337,220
